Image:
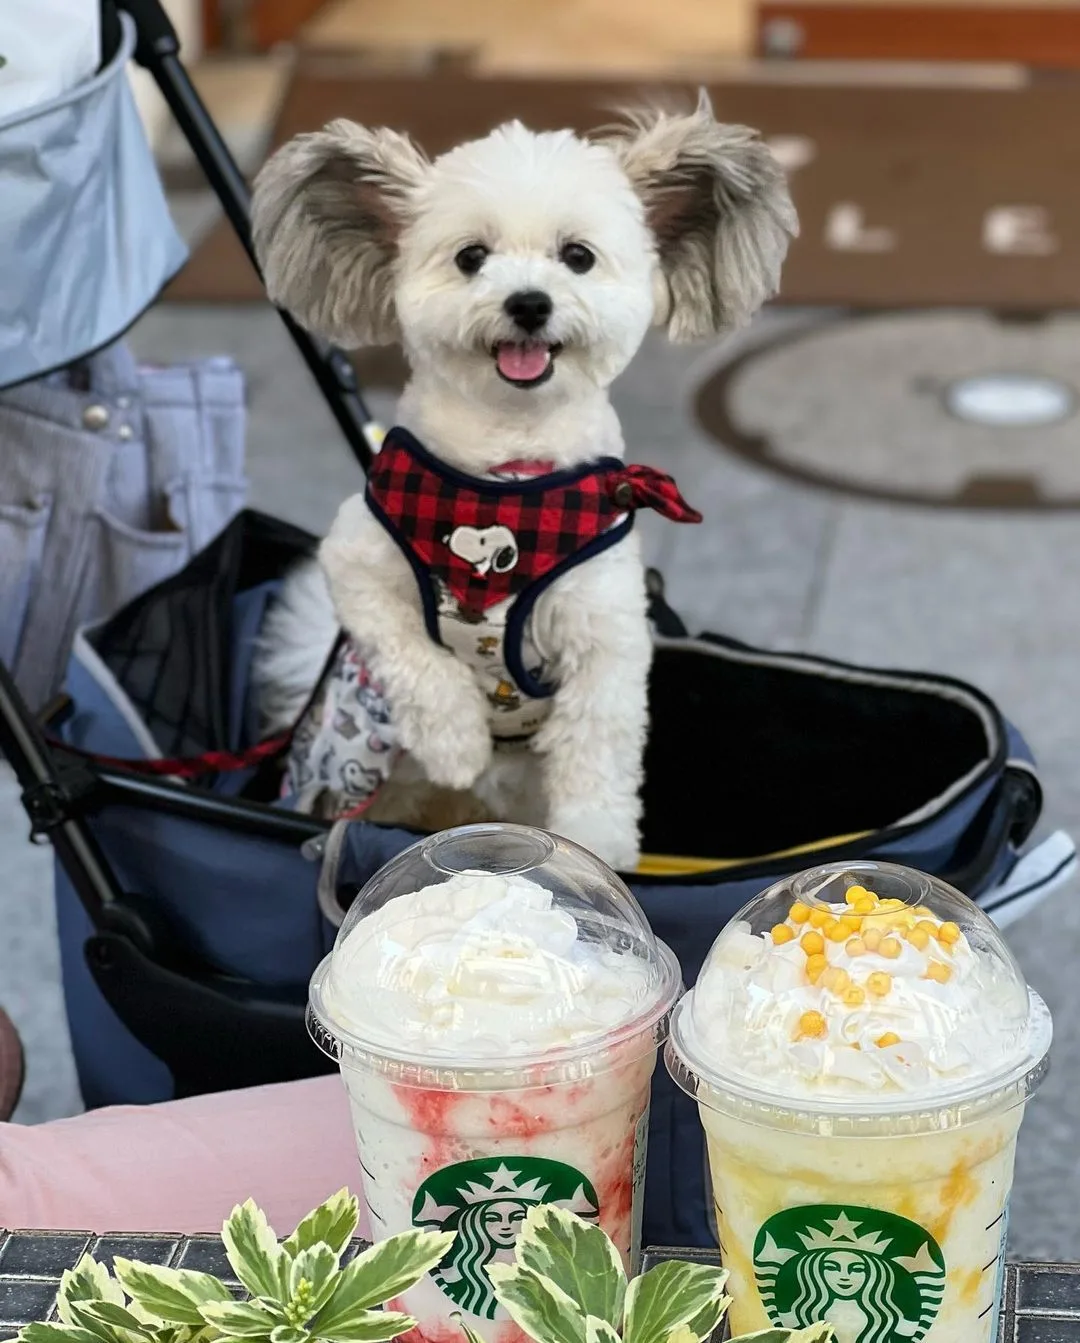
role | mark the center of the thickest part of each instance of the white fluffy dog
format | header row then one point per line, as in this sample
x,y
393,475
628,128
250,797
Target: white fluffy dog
x,y
520,274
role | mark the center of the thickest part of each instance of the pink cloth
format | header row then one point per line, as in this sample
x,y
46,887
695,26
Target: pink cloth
x,y
182,1166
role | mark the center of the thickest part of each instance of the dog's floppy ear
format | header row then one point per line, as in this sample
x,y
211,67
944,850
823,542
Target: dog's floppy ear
x,y
327,210
718,205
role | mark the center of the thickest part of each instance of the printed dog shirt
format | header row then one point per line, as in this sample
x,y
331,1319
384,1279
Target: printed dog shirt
x,y
483,550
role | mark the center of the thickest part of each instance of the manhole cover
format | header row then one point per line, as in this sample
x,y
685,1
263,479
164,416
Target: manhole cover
x,y
963,410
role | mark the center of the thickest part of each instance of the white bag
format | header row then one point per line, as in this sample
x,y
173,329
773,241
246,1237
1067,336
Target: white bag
x,y
47,48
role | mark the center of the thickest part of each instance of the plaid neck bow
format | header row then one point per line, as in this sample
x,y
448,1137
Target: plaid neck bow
x,y
489,539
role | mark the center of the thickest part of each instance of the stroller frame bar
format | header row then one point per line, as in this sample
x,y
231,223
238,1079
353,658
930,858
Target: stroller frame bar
x,y
157,50
51,797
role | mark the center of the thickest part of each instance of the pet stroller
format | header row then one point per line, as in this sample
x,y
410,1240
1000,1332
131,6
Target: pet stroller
x,y
193,903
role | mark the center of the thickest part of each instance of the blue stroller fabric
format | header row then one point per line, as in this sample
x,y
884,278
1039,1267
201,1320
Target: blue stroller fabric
x,y
760,785
78,184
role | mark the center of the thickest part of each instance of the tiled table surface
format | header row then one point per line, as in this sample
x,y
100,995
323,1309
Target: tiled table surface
x,y
1042,1301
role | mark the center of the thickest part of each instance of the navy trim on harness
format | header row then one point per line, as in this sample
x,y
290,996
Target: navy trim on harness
x,y
527,598
420,570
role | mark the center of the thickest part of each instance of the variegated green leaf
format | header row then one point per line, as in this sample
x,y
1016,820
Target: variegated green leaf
x,y
599,1331
178,1333
313,1277
576,1256
668,1296
288,1333
114,1319
544,1311
367,1326
814,1333
257,1259
240,1319
331,1223
380,1274
172,1294
87,1281
55,1333
79,1315
703,1325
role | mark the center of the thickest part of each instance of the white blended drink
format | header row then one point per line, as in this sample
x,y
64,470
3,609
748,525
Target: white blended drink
x,y
496,999
861,1043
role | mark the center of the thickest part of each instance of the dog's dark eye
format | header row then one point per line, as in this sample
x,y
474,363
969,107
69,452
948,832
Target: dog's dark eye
x,y
471,258
576,256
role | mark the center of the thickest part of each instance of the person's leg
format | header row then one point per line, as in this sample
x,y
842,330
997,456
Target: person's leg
x,y
182,1166
12,1066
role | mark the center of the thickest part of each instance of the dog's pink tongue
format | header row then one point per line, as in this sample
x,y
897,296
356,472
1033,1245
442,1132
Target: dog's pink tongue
x,y
523,363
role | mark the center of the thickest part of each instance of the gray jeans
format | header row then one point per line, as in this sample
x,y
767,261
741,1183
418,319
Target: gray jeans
x,y
112,477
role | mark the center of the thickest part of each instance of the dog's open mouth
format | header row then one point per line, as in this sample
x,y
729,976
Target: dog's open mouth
x,y
525,365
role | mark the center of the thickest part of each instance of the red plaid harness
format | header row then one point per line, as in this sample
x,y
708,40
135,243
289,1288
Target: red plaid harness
x,y
480,541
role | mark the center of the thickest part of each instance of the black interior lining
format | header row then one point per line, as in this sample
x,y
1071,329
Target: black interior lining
x,y
748,756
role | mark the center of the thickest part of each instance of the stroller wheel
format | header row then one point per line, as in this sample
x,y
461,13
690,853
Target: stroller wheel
x,y
12,1066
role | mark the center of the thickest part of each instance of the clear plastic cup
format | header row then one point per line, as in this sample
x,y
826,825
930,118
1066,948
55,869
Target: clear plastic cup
x,y
861,1085
495,999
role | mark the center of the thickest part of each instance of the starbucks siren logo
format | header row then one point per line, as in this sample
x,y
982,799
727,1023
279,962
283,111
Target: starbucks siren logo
x,y
485,1201
875,1277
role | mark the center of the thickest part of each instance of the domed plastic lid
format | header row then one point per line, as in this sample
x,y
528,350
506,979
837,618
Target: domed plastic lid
x,y
860,989
497,948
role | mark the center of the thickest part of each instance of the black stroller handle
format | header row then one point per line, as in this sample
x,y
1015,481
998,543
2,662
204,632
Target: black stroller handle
x,y
158,51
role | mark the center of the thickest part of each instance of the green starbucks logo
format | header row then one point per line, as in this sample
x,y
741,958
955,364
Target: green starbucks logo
x,y
875,1277
485,1202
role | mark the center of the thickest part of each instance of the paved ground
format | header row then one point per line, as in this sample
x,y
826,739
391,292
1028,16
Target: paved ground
x,y
987,597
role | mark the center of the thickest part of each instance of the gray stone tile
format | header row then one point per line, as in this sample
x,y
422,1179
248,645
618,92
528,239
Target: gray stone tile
x,y
30,965
983,598
925,585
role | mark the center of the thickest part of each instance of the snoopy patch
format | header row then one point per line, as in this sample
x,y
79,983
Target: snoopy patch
x,y
487,549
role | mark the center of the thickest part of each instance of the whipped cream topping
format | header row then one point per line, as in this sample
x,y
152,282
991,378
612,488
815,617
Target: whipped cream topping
x,y
868,998
481,966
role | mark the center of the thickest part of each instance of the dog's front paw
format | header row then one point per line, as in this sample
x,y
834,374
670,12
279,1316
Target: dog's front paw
x,y
444,727
610,836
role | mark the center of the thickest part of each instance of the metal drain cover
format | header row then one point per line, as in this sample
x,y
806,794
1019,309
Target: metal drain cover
x,y
955,409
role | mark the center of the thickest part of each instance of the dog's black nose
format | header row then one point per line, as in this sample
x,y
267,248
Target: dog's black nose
x,y
528,309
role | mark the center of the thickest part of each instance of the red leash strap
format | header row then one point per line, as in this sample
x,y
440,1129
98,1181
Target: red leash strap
x,y
192,767
646,487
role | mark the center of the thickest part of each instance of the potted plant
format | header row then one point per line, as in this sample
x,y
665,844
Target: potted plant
x,y
566,1285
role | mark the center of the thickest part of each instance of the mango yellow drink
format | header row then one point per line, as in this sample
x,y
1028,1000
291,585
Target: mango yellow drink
x,y
861,1043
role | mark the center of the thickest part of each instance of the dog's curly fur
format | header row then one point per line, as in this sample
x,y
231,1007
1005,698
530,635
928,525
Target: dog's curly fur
x,y
357,232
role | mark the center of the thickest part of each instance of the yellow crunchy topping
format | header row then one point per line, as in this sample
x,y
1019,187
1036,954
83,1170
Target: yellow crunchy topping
x,y
870,925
